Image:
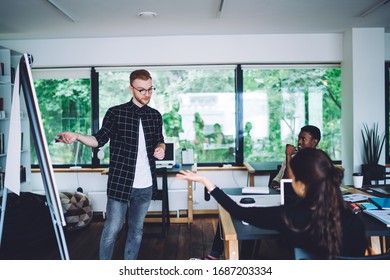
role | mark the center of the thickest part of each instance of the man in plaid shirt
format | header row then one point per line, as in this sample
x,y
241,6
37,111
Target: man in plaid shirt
x,y
136,140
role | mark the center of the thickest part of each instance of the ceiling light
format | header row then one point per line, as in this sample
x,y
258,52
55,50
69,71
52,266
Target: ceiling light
x,y
147,15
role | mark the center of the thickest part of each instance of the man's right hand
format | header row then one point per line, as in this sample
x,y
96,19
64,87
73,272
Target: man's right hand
x,y
66,137
290,150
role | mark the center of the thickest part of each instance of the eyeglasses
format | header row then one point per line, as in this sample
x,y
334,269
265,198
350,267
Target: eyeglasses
x,y
144,91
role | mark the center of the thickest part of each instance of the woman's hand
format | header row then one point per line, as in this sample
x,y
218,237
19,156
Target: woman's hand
x,y
192,176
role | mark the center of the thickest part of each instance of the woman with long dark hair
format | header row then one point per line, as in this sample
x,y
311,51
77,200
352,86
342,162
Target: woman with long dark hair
x,y
319,222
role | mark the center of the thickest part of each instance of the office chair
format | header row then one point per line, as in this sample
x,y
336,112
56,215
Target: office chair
x,y
384,256
273,174
377,176
302,254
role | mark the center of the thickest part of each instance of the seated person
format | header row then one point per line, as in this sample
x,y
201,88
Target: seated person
x,y
309,137
319,223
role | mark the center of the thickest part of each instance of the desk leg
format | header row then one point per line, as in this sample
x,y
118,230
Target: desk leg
x,y
165,200
251,180
190,214
231,250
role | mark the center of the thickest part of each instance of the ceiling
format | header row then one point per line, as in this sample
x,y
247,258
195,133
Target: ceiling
x,y
39,19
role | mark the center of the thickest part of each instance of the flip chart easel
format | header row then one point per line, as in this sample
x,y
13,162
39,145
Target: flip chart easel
x,y
52,196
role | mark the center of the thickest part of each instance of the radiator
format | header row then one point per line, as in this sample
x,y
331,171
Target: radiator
x,y
98,201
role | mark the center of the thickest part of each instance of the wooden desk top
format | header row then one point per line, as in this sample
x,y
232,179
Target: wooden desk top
x,y
257,166
235,229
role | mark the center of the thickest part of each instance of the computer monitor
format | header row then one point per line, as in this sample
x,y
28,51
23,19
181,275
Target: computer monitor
x,y
170,155
287,193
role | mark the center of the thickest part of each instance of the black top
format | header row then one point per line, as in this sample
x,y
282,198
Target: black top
x,y
354,242
121,127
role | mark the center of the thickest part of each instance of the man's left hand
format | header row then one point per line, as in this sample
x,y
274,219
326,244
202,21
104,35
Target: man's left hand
x,y
159,153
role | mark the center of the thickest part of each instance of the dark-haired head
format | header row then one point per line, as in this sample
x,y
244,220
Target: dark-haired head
x,y
319,183
314,168
314,131
309,137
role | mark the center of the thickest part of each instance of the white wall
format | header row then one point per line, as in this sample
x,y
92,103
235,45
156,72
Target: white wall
x,y
182,50
96,182
224,49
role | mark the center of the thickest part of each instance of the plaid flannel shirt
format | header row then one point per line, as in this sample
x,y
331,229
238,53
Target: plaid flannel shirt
x,y
121,127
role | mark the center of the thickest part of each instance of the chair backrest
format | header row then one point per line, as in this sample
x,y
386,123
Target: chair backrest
x,y
273,174
384,256
386,177
302,254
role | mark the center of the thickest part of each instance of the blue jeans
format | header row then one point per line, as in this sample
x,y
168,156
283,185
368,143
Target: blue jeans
x,y
115,216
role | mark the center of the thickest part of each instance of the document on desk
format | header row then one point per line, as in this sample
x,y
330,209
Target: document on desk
x,y
255,190
381,215
260,200
355,197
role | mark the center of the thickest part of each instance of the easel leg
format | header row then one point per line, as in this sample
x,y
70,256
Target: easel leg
x,y
3,207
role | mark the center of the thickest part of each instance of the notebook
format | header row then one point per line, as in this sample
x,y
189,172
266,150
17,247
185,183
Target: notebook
x,y
355,197
380,202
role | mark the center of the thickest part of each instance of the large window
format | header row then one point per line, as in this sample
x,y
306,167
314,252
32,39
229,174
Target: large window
x,y
197,105
278,101
64,99
225,113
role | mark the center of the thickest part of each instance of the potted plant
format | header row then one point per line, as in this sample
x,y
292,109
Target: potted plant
x,y
373,143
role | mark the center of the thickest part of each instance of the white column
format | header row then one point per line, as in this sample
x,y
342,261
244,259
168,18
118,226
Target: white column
x,y
363,92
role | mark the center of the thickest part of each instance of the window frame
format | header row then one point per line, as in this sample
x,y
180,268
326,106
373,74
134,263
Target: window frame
x,y
387,110
239,86
65,73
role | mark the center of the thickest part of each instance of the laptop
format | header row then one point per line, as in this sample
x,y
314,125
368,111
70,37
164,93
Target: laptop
x,y
255,190
383,189
169,159
287,193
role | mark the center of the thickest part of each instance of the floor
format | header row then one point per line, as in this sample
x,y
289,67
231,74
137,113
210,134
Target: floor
x,y
179,243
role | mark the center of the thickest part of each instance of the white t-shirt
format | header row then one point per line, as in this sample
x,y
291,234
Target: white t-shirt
x,y
143,176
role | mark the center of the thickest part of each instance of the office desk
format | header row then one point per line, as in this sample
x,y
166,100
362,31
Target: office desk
x,y
171,172
234,231
260,168
376,230
164,173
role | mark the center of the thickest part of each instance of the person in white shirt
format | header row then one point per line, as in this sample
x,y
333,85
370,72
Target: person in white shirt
x,y
308,137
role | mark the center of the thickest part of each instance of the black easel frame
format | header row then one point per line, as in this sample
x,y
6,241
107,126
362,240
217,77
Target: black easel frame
x,y
52,196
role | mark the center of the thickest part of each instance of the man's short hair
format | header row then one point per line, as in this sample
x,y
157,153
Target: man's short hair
x,y
314,131
141,74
